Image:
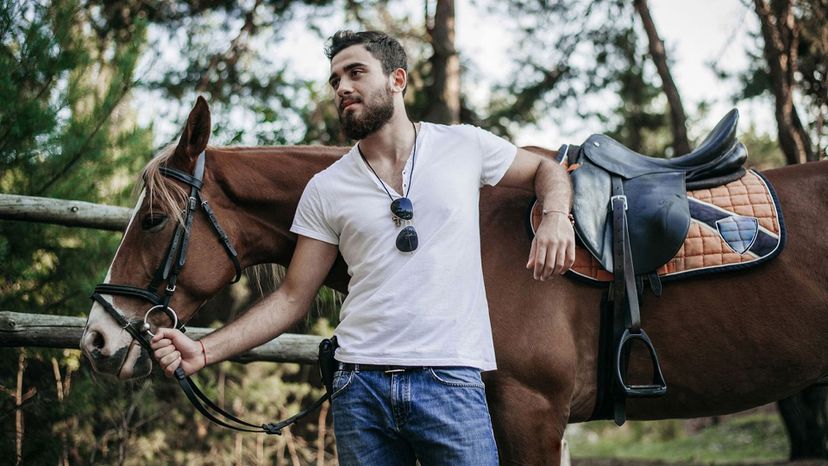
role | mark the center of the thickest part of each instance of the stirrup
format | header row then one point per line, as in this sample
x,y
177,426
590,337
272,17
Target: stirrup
x,y
658,386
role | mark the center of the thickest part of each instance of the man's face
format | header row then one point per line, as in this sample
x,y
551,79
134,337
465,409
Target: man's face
x,y
362,92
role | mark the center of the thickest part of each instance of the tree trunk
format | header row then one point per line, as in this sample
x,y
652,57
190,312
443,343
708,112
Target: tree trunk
x,y
806,420
781,36
678,119
444,91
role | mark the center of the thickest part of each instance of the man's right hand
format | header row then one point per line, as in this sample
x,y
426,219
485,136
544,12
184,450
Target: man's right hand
x,y
172,349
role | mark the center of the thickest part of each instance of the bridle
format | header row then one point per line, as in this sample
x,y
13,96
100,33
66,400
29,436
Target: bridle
x,y
167,275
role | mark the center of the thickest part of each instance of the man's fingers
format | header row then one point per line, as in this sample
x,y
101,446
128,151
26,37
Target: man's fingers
x,y
551,265
532,252
570,255
540,261
163,351
561,260
170,358
169,369
156,345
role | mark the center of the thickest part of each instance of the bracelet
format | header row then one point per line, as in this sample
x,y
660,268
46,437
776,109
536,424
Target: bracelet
x,y
568,215
203,352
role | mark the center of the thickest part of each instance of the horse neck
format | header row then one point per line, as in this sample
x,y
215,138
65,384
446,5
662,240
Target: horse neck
x,y
259,188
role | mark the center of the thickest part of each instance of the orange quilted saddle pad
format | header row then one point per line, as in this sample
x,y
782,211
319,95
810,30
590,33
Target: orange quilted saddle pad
x,y
732,226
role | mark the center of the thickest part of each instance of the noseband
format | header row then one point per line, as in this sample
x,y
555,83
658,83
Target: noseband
x,y
167,275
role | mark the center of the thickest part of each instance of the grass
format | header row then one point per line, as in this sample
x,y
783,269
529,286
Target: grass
x,y
754,438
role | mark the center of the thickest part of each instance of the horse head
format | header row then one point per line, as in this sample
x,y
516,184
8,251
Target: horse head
x,y
150,255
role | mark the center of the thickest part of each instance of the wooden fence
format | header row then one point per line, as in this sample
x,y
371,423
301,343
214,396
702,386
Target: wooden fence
x,y
52,331
61,212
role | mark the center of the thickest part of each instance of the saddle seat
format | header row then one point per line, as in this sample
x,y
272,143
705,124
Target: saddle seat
x,y
717,154
655,191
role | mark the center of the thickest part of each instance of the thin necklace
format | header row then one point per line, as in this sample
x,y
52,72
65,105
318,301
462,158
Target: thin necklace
x,y
410,174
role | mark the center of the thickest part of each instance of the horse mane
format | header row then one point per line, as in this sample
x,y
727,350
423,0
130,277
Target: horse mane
x,y
169,197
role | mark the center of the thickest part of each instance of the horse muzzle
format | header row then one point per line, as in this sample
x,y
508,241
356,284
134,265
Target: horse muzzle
x,y
111,350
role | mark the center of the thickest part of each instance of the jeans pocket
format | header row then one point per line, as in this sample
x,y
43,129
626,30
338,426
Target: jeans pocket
x,y
468,377
341,381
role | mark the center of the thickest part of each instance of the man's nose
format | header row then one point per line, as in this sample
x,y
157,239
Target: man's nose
x,y
344,89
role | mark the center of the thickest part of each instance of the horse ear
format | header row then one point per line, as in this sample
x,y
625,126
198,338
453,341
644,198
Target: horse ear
x,y
196,133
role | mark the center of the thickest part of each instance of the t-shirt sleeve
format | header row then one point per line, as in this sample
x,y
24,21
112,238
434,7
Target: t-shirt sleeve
x,y
497,154
311,217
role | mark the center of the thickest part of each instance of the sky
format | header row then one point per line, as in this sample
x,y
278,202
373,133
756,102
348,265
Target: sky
x,y
695,33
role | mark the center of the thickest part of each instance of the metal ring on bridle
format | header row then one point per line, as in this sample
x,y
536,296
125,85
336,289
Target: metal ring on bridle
x,y
167,310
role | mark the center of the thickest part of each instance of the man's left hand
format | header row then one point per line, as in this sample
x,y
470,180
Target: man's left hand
x,y
553,248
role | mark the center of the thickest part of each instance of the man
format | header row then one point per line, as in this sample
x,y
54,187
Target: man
x,y
414,332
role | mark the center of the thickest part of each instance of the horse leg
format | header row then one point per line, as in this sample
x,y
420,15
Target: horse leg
x,y
528,425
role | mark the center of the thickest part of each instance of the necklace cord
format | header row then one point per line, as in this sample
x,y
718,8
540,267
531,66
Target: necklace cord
x,y
410,174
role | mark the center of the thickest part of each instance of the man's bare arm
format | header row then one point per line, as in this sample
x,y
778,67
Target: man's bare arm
x,y
267,319
553,248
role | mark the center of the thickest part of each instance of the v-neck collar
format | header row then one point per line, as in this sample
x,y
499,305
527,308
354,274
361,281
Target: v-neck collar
x,y
378,182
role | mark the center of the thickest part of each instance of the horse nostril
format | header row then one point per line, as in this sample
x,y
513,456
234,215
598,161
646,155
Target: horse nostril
x,y
97,340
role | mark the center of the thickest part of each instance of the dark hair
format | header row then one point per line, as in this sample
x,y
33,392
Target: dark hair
x,y
383,47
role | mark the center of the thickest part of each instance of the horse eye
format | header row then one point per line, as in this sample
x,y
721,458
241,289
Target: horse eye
x,y
153,222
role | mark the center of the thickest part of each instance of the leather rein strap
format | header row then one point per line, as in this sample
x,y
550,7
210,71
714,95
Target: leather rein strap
x,y
167,275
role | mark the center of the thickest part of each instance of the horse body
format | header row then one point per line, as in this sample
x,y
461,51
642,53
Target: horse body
x,y
726,341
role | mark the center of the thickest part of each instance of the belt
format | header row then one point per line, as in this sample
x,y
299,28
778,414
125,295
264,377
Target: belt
x,y
347,366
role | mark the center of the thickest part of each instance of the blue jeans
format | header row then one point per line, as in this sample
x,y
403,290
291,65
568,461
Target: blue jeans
x,y
436,415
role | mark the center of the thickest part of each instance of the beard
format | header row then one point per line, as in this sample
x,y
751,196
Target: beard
x,y
377,110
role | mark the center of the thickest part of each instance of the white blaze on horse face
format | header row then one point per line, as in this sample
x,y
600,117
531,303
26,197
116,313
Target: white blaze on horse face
x,y
99,321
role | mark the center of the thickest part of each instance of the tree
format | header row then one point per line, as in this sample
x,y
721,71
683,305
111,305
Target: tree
x,y
66,130
444,89
678,120
794,41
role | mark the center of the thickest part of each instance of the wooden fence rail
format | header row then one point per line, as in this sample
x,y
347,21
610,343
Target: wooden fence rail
x,y
63,212
50,331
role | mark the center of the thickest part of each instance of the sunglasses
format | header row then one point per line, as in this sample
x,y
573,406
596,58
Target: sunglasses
x,y
402,210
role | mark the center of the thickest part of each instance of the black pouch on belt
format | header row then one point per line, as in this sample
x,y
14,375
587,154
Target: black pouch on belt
x,y
327,363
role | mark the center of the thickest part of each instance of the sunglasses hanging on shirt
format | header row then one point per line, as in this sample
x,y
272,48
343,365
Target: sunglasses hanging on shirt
x,y
402,209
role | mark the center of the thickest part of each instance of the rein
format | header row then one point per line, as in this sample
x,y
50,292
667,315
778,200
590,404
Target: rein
x,y
167,275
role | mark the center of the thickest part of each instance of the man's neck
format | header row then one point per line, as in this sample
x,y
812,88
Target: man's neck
x,y
391,143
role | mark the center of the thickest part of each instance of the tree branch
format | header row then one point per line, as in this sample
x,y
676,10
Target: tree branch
x,y
678,119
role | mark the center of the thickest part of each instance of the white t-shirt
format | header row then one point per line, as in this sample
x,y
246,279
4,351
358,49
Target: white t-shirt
x,y
427,307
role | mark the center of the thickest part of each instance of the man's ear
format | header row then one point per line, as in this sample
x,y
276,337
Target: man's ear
x,y
195,134
399,79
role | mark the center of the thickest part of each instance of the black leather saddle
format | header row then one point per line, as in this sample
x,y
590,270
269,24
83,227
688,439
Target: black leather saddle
x,y
655,189
631,212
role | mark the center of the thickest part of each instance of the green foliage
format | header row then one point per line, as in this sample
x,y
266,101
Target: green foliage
x,y
811,77
582,59
743,439
65,134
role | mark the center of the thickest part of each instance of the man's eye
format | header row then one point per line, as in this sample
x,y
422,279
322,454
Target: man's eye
x,y
356,73
335,84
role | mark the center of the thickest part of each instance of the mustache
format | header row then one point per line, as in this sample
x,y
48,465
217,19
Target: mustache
x,y
346,102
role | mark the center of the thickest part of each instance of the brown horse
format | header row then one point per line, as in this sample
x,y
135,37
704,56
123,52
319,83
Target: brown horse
x,y
727,342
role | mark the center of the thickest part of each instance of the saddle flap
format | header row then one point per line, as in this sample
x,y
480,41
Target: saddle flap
x,y
658,215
